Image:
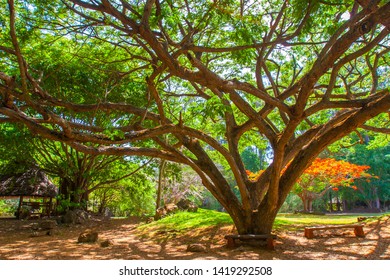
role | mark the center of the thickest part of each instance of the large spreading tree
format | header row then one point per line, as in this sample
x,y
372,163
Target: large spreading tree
x,y
197,82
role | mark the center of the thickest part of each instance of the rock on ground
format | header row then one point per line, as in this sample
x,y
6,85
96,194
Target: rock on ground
x,y
88,236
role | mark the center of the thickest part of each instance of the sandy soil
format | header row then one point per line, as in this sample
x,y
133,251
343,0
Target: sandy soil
x,y
16,242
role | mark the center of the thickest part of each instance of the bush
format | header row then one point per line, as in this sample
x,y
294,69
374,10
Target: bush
x,y
293,203
8,207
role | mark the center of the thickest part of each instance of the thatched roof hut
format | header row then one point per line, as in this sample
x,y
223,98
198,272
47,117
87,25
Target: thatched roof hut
x,y
33,182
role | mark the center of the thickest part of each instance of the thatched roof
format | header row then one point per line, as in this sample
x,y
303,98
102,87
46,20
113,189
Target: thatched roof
x,y
33,182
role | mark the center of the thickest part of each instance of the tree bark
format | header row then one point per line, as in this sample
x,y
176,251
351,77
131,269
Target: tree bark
x,y
330,202
160,184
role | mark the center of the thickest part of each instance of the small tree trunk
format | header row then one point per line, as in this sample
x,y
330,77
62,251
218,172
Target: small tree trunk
x,y
305,204
84,200
19,207
103,202
338,204
345,205
160,184
310,206
377,201
330,202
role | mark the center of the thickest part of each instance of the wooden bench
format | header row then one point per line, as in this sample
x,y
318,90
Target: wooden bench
x,y
269,238
358,229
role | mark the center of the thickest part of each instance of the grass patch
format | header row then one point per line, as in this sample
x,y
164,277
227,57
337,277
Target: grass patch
x,y
186,221
183,222
317,219
299,221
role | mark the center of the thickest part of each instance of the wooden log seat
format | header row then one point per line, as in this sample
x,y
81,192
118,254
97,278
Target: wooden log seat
x,y
358,229
269,238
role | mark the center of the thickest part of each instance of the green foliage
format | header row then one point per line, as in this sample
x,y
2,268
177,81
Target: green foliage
x,y
64,204
253,159
379,160
209,202
292,204
8,207
130,197
16,153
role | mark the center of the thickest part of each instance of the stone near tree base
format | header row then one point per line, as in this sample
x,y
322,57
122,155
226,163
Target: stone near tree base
x,y
35,226
160,213
149,220
75,217
188,205
166,210
45,227
36,233
171,208
106,243
69,217
192,208
47,224
198,248
88,236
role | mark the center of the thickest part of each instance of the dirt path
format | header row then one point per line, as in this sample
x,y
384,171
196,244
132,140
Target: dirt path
x,y
128,243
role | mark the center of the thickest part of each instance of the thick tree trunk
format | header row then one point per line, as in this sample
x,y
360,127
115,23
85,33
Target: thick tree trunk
x,y
76,195
310,205
305,205
258,223
103,202
263,221
338,204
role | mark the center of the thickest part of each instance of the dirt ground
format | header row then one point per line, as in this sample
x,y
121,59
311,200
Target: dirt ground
x,y
128,243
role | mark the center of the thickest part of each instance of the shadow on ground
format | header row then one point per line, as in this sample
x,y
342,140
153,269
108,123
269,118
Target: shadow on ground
x,y
129,243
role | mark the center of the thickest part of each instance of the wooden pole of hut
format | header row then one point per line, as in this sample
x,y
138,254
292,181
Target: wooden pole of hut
x,y
19,206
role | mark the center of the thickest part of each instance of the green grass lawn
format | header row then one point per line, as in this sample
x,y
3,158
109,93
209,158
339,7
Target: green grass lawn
x,y
184,221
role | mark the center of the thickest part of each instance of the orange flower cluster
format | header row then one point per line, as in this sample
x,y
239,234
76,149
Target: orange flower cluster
x,y
253,176
335,172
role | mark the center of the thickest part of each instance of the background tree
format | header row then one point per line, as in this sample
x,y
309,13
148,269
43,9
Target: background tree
x,y
373,150
77,174
133,196
325,174
81,174
194,80
176,183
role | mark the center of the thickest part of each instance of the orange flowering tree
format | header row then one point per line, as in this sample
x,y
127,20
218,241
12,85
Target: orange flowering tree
x,y
321,176
325,174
